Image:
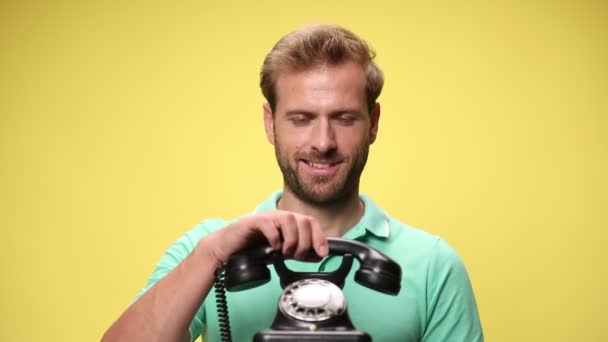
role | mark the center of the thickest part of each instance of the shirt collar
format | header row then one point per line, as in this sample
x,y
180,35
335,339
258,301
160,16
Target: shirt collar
x,y
374,219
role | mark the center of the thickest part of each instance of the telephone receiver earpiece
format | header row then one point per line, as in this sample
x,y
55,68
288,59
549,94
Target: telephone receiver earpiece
x,y
248,269
376,270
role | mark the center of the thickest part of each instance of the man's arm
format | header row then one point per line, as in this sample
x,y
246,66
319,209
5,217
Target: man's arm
x,y
165,311
452,310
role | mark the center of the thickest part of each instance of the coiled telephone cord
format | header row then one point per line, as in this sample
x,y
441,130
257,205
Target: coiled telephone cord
x,y
222,306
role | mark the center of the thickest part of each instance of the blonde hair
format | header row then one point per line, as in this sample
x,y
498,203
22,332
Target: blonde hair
x,y
319,44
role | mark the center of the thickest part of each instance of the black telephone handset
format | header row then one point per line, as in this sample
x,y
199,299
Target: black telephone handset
x,y
312,306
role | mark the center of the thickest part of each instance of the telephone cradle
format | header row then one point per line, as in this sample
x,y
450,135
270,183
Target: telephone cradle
x,y
312,306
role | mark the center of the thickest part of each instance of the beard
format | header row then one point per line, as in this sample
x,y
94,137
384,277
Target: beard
x,y
323,190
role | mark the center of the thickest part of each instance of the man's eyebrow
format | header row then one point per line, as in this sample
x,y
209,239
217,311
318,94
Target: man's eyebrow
x,y
348,110
299,111
333,112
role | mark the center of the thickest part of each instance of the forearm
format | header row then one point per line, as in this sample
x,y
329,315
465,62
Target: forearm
x,y
165,311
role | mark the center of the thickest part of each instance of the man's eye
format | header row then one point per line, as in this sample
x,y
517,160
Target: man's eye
x,y
299,119
347,119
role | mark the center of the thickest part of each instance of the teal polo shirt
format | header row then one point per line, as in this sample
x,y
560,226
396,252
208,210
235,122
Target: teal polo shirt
x,y
436,302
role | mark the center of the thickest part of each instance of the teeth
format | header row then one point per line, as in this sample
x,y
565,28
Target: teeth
x,y
319,166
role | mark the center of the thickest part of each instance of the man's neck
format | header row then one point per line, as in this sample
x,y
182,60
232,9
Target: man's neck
x,y
335,219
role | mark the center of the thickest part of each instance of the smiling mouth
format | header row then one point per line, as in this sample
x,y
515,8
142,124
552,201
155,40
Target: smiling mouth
x,y
320,165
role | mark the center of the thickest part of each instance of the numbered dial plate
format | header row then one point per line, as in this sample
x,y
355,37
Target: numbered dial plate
x,y
312,300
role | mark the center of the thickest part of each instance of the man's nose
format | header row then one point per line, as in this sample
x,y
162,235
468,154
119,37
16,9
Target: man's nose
x,y
324,137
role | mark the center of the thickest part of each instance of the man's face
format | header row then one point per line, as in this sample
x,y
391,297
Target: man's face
x,y
321,130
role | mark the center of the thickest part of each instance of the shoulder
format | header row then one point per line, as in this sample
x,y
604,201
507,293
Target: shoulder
x,y
185,244
412,241
428,256
420,250
393,235
181,248
206,227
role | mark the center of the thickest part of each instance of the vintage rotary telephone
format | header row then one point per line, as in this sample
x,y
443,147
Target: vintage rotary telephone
x,y
312,306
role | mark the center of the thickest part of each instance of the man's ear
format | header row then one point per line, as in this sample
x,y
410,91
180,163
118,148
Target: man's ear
x,y
269,123
374,120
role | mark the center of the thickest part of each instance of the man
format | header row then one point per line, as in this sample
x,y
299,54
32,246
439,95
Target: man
x,y
321,85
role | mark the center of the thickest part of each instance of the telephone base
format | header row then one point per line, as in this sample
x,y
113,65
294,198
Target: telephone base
x,y
311,336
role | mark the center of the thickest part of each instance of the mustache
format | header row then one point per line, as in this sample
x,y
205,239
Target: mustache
x,y
329,156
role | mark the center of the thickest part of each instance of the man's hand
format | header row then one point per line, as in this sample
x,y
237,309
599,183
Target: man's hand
x,y
182,290
293,234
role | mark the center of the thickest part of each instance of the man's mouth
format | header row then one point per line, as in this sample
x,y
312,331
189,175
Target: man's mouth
x,y
319,165
321,168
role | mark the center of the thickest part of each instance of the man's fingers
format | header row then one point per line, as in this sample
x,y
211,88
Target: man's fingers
x,y
304,237
289,230
270,231
319,241
295,235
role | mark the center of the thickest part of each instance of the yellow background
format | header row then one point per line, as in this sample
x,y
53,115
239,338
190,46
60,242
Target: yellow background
x,y
123,124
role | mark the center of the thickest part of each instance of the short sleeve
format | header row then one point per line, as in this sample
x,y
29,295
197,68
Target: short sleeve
x,y
173,256
452,313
